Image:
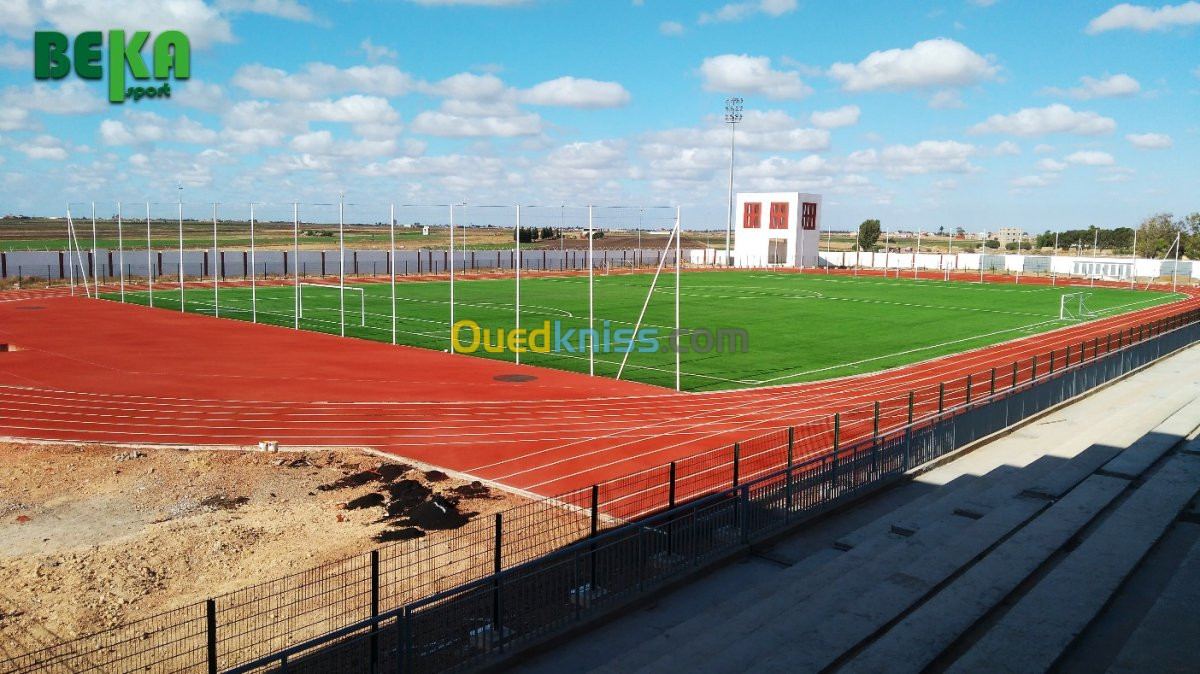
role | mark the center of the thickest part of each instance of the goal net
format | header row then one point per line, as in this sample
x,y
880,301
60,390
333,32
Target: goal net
x,y
323,298
1073,307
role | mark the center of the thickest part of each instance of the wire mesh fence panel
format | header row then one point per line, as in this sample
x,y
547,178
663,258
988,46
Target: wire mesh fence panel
x,y
764,454
412,569
267,617
703,473
175,641
541,527
636,495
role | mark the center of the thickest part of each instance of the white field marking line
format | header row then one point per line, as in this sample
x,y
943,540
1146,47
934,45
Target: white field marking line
x,y
886,303
906,352
906,383
955,285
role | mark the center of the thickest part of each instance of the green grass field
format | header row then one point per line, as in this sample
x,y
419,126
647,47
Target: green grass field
x,y
800,327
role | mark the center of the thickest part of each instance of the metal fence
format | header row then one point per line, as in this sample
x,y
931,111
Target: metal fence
x,y
530,570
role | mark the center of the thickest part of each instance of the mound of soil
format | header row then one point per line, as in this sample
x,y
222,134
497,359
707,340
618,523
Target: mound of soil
x,y
223,502
406,495
365,501
436,476
404,534
388,472
437,513
474,490
352,480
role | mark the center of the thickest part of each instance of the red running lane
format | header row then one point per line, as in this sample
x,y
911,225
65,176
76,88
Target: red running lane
x,y
99,371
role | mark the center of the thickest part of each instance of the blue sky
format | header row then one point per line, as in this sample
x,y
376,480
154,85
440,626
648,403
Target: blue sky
x,y
972,113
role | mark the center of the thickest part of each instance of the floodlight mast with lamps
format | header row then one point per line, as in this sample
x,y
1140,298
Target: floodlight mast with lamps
x,y
733,115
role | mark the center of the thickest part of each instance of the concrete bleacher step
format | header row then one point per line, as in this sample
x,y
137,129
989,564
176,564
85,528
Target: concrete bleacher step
x,y
1055,485
1147,450
1033,634
914,642
1168,638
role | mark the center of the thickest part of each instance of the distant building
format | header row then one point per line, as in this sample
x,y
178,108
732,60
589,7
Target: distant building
x,y
1009,235
983,236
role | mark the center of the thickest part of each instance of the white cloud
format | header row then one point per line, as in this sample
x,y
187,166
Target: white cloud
x,y
847,115
927,156
323,143
940,62
467,87
203,24
1116,174
12,57
1090,158
318,80
377,52
946,99
283,9
744,74
770,131
945,184
1109,85
200,95
670,28
1050,164
739,11
1042,148
1056,118
439,123
43,147
71,97
356,109
1149,141
1043,180
590,155
577,93
149,127
15,119
1144,19
1006,149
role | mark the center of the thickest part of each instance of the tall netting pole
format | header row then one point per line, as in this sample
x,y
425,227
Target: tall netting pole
x,y
70,254
182,305
121,251
216,267
342,262
392,264
517,317
295,265
1175,269
591,298
253,266
678,252
1132,263
452,270
95,251
149,256
1053,268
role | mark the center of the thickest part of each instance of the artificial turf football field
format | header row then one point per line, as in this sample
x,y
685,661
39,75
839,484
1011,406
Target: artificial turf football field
x,y
799,327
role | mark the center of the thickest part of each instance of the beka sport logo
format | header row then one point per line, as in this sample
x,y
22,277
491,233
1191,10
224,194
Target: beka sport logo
x,y
467,336
172,57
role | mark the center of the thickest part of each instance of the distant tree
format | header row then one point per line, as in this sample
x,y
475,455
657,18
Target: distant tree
x,y
941,230
992,244
1156,234
1192,228
868,234
959,231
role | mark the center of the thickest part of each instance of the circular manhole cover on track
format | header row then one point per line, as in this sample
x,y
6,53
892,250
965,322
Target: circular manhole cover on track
x,y
514,377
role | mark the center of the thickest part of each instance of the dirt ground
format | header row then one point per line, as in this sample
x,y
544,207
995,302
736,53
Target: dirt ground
x,y
93,537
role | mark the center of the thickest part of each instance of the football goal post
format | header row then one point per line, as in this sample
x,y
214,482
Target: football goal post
x,y
1073,307
313,287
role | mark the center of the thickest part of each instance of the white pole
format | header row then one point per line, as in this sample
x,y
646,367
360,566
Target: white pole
x,y
1053,269
729,218
677,255
182,302
70,253
887,251
517,352
653,284
79,255
1175,269
295,265
149,255
95,251
342,262
216,269
121,251
591,301
917,252
392,270
857,251
253,286
451,270
1133,262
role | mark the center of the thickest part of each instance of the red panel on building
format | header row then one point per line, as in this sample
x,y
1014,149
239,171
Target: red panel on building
x,y
779,215
808,215
752,215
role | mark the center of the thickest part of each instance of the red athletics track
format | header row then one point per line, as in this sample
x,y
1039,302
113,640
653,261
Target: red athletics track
x,y
90,370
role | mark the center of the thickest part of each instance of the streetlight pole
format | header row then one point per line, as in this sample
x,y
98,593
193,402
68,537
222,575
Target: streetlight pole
x,y
733,115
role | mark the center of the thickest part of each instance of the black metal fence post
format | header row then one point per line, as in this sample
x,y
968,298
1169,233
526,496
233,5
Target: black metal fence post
x,y
1051,361
941,397
375,610
497,561
992,387
737,460
211,611
595,530
1033,369
968,389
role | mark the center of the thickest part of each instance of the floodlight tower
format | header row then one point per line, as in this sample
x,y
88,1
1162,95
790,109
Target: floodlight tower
x,y
733,115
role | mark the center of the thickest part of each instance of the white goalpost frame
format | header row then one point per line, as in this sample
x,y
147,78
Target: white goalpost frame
x,y
70,255
678,251
1053,271
1080,310
342,261
121,251
182,301
452,272
653,284
83,276
95,253
362,299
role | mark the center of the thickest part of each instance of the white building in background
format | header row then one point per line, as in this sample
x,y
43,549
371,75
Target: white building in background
x,y
777,228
